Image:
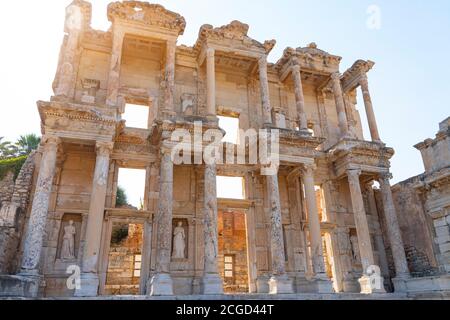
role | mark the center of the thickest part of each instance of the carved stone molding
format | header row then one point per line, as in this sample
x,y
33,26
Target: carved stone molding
x,y
148,14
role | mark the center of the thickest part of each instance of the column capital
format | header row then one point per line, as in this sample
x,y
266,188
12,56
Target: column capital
x,y
308,169
336,76
104,148
165,148
262,61
363,80
354,173
51,143
385,177
50,140
296,68
210,52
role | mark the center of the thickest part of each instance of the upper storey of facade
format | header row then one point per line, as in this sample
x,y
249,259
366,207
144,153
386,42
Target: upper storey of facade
x,y
225,73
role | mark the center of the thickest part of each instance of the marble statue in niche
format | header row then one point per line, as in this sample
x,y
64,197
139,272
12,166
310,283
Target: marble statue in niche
x,y
355,249
68,245
179,242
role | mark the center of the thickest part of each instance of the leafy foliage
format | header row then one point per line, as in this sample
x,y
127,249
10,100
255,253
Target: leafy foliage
x,y
11,165
119,234
7,149
23,146
14,155
27,143
121,198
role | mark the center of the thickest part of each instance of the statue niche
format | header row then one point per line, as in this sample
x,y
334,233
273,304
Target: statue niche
x,y
180,239
69,237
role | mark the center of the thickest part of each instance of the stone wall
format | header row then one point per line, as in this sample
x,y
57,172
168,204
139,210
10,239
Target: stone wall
x,y
415,229
6,187
15,197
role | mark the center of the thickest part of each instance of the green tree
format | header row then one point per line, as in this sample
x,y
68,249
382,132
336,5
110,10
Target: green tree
x,y
7,149
27,143
121,198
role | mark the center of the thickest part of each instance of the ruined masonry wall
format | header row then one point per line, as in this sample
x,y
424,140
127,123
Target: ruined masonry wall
x,y
17,194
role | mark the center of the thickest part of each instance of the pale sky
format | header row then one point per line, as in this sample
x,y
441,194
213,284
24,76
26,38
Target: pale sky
x,y
409,84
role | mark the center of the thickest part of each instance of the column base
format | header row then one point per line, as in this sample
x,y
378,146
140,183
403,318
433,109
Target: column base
x,y
371,284
161,285
322,284
350,285
400,283
262,284
21,285
281,285
211,284
89,284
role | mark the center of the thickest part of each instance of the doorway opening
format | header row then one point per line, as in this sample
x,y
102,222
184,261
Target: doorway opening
x,y
233,261
125,259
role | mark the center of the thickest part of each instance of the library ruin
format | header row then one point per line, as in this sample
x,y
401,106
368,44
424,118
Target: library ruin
x,y
327,223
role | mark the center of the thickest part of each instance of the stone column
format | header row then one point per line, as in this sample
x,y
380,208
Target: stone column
x,y
362,229
73,27
67,69
299,98
170,78
323,283
211,282
265,96
393,229
114,69
91,254
279,282
161,283
211,82
340,104
34,236
369,108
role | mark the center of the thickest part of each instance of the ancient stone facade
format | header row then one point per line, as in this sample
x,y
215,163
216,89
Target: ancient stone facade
x,y
423,204
314,225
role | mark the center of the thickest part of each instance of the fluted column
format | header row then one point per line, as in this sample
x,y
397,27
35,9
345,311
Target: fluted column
x,y
369,108
170,78
211,282
313,221
265,96
322,282
114,68
340,105
211,82
280,282
91,254
161,283
300,98
363,233
393,229
36,225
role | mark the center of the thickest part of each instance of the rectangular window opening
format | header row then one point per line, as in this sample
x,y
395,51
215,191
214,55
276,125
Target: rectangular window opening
x,y
231,127
131,189
229,267
136,116
230,188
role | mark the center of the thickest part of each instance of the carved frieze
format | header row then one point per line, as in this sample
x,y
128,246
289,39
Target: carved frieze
x,y
148,14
